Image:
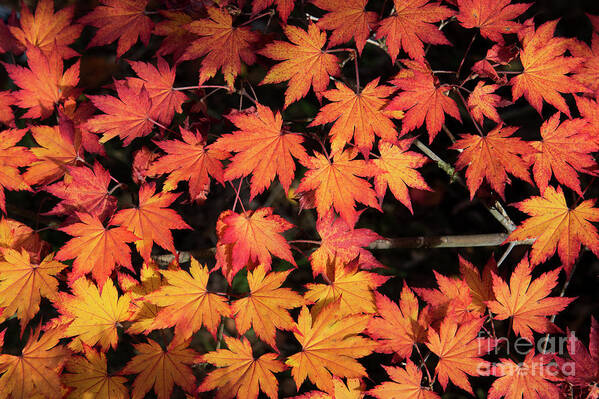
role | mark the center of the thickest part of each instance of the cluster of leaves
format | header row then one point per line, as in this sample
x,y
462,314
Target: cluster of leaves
x,y
190,324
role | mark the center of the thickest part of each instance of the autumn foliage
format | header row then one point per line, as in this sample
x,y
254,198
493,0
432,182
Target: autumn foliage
x,y
209,198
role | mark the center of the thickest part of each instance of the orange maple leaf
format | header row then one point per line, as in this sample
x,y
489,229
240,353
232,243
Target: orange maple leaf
x,y
335,184
545,69
330,347
412,24
47,30
93,315
6,114
145,312
58,150
459,351
532,379
398,166
589,110
86,190
353,390
422,100
491,157
89,377
158,81
152,220
122,20
346,284
564,150
24,282
222,45
347,19
11,158
265,307
358,115
480,284
240,374
186,303
36,371
492,17
526,301
189,160
173,27
341,243
304,63
128,116
255,236
162,368
263,149
95,248
554,225
398,328
284,7
482,102
406,383
16,235
44,84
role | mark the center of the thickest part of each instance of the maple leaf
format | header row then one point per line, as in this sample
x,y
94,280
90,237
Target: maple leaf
x,y
16,235
492,17
128,116
142,160
554,225
85,191
335,184
124,20
398,328
422,100
480,285
586,362
6,115
11,158
304,63
145,312
398,166
406,383
341,243
358,115
347,20
346,284
158,81
526,301
265,307
240,374
255,236
452,300
152,220
531,379
411,25
94,316
88,377
44,84
186,303
353,390
74,116
482,102
491,157
222,45
545,69
284,7
459,351
264,149
161,368
564,150
95,248
58,150
589,110
36,370
190,160
588,72
8,44
47,30
23,283
330,346
173,28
